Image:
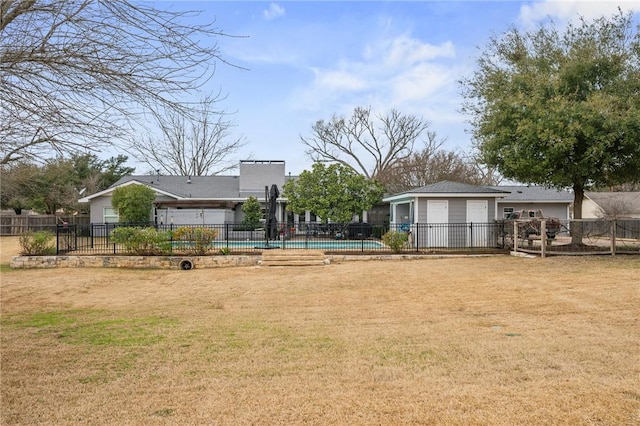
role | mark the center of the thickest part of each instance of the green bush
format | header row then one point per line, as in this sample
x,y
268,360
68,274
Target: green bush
x,y
40,243
252,213
395,240
142,241
199,241
133,202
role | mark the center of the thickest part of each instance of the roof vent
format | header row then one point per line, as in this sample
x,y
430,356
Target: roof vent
x,y
189,179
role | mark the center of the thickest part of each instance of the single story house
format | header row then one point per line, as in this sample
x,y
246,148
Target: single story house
x,y
444,203
611,204
447,203
192,200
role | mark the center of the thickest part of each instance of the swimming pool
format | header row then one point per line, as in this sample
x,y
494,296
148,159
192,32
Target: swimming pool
x,y
305,244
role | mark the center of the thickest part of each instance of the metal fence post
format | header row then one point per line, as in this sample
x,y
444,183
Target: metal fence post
x,y
57,240
226,236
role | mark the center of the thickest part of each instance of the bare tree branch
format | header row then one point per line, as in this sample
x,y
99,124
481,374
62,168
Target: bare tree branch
x,y
79,75
191,145
361,145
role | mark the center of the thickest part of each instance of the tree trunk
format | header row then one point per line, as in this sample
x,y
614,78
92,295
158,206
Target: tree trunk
x,y
576,226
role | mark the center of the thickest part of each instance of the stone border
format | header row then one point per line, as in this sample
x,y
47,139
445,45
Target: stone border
x,y
199,262
131,262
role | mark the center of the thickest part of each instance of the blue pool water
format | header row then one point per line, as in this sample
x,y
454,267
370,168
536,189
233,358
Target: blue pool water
x,y
313,245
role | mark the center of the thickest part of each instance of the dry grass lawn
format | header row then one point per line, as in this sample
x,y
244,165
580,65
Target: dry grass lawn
x,y
452,341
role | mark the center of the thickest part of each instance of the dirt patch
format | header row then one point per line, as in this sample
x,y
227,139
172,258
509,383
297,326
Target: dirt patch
x,y
9,247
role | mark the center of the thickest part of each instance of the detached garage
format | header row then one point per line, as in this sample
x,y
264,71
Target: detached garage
x,y
450,214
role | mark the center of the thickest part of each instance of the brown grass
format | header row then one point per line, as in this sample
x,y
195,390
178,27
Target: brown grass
x,y
493,341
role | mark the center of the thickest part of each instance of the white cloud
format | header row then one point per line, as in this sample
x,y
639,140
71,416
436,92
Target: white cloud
x,y
408,51
420,82
338,80
394,72
274,11
566,10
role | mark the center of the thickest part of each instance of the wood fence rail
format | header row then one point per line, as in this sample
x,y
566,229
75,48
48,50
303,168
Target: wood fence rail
x,y
20,224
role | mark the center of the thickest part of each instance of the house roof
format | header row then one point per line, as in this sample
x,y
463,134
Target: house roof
x,y
449,189
203,187
629,200
185,187
524,193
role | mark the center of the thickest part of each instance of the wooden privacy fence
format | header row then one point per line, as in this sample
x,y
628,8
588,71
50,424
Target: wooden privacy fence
x,y
20,224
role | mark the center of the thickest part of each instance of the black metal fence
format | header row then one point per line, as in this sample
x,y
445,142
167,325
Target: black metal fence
x,y
93,239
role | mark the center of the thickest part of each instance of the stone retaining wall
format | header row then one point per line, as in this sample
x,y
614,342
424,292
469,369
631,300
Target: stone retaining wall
x,y
144,262
198,262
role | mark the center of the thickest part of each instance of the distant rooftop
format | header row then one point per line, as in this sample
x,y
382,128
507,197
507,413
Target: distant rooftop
x,y
448,187
526,193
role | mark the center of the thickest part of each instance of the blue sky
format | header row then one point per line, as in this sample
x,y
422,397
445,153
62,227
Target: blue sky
x,y
308,60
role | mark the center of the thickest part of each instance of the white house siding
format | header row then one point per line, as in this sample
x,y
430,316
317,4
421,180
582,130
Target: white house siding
x,y
457,209
590,210
195,216
457,234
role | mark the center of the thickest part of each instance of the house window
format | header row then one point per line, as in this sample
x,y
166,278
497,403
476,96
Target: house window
x,y
506,212
110,215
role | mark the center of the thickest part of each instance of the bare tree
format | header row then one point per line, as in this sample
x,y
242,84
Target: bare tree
x,y
613,207
362,145
191,145
78,75
430,166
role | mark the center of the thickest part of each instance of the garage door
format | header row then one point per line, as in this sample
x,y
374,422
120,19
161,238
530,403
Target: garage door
x,y
477,218
437,222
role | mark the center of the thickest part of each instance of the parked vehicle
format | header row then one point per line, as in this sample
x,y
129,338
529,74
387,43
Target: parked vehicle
x,y
529,223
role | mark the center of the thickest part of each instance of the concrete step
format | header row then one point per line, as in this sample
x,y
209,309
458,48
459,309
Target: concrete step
x,y
293,258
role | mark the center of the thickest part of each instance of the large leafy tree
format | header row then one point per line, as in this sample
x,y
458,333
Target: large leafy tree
x,y
561,109
334,192
58,182
79,75
134,203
